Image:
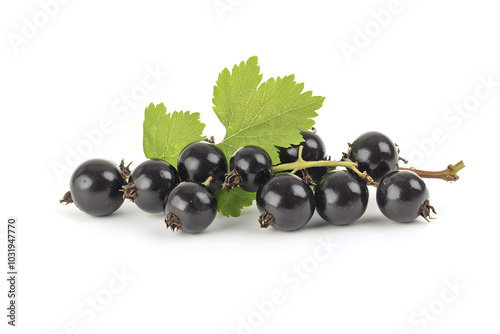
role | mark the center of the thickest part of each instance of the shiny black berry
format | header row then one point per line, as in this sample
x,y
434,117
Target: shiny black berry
x,y
199,160
250,167
375,153
95,187
341,197
285,202
150,183
190,207
403,196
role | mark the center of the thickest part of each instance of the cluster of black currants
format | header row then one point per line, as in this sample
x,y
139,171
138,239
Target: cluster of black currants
x,y
340,197
99,187
286,194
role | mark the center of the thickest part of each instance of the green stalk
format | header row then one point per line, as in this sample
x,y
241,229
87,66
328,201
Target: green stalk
x,y
302,164
449,174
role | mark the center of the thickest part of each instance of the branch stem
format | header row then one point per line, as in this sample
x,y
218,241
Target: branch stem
x,y
448,174
302,164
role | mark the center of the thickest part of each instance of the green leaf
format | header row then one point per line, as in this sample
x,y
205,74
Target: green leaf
x,y
253,112
263,114
165,135
230,203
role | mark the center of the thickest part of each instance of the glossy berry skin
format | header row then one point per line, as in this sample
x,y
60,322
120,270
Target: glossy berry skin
x,y
253,165
313,150
153,179
375,153
341,197
400,196
288,199
200,160
194,204
95,187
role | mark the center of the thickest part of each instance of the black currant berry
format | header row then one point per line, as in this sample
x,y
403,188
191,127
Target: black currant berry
x,y
95,187
200,160
250,167
150,183
190,207
341,197
313,150
403,196
285,202
375,153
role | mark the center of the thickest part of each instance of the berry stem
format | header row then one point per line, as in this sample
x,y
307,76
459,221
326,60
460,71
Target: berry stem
x,y
448,174
207,181
302,164
210,140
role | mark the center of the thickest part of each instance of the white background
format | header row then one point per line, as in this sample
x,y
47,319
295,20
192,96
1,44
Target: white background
x,y
72,73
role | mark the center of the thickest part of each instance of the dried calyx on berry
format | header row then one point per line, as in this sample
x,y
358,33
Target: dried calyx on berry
x,y
173,222
232,180
125,170
266,219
